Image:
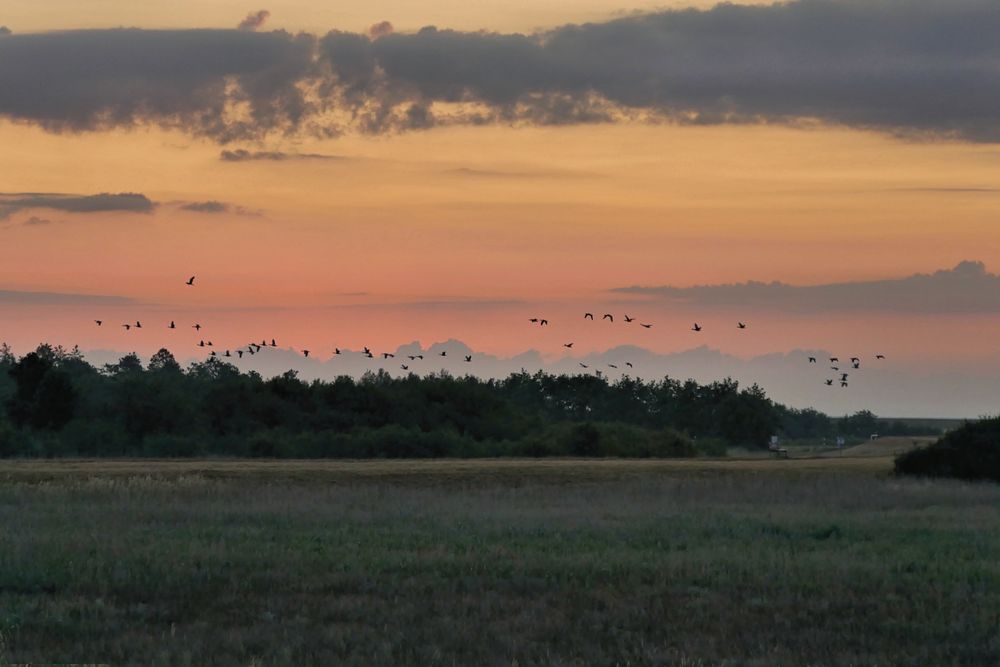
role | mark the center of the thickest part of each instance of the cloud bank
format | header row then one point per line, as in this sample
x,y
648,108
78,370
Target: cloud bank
x,y
966,289
104,202
243,155
910,67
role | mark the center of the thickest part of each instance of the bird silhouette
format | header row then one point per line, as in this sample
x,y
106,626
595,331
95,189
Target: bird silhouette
x,y
99,322
834,360
855,360
843,377
414,357
368,352
880,356
336,350
843,383
612,366
583,365
138,324
629,319
829,383
127,326
404,367
608,316
587,316
387,355
856,364
533,320
201,343
696,327
305,353
273,344
240,352
212,354
741,325
468,357
645,326
196,327
190,281
543,323
812,360
444,353
227,354
172,325
567,345
629,364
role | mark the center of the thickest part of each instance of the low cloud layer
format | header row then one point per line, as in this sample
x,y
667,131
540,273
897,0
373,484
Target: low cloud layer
x,y
243,155
16,298
104,202
917,67
967,288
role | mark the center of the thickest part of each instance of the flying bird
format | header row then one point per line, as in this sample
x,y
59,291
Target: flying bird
x,y
608,316
468,357
645,326
812,360
172,325
99,322
612,366
829,383
533,320
227,354
741,325
543,323
190,281
629,364
843,377
240,352
629,319
567,345
138,324
368,352
834,360
696,327
201,343
387,355
127,326
855,360
583,365
843,383
588,316
444,353
196,327
305,353
336,350
404,367
880,356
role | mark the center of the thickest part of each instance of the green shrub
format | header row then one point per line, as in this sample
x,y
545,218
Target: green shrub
x,y
970,452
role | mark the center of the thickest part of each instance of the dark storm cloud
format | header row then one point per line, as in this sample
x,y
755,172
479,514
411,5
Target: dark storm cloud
x,y
254,20
912,67
105,202
243,155
967,288
225,84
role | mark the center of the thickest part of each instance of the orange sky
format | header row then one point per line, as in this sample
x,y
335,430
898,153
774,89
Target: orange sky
x,y
466,232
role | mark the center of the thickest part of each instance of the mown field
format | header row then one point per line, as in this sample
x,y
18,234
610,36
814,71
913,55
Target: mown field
x,y
824,561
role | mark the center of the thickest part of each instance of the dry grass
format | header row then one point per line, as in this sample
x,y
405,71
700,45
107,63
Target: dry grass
x,y
431,471
801,562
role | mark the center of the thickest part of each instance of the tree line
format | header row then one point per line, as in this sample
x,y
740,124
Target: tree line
x,y
54,403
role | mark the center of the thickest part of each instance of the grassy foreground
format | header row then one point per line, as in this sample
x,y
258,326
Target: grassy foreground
x,y
818,562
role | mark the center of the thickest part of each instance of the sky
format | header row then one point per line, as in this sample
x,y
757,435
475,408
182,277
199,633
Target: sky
x,y
339,175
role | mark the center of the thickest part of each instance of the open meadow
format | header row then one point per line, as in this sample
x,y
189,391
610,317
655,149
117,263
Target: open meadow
x,y
821,561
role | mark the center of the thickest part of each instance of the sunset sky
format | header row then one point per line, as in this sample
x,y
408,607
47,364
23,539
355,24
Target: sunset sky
x,y
340,175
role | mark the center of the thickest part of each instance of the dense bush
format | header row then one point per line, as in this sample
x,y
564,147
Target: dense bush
x,y
53,403
970,452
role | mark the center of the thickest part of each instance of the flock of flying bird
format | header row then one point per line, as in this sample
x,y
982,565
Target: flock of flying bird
x,y
253,348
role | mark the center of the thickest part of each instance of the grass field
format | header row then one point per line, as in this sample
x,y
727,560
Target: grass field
x,y
755,562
